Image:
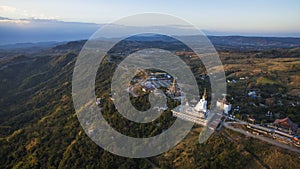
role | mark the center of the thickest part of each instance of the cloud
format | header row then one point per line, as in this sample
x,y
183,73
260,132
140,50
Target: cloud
x,y
9,9
14,21
16,13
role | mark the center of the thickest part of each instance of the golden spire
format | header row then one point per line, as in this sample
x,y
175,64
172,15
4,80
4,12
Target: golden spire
x,y
172,88
173,82
224,99
204,94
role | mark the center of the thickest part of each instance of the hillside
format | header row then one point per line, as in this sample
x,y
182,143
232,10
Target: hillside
x,y
39,127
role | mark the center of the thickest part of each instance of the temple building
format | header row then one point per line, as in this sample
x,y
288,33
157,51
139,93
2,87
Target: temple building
x,y
173,89
197,114
224,105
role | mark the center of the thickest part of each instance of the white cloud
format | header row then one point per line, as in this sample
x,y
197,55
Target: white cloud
x,y
13,21
8,9
16,13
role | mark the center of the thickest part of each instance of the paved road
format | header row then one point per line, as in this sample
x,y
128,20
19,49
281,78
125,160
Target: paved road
x,y
268,140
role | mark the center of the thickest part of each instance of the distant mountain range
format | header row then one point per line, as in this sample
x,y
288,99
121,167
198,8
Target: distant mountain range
x,y
240,43
254,43
14,31
36,30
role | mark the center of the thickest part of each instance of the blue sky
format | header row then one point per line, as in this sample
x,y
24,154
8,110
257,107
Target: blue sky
x,y
236,17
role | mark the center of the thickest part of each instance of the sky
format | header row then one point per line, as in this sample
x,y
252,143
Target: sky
x,y
229,17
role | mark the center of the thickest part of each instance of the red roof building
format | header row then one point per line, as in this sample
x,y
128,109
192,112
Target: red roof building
x,y
286,123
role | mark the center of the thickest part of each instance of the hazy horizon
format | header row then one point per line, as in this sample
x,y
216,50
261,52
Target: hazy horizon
x,y
36,21
13,31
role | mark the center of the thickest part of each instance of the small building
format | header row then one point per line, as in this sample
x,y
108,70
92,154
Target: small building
x,y
98,101
159,76
148,85
269,114
231,81
252,94
251,120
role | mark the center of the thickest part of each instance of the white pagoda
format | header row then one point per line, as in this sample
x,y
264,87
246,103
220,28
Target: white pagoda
x,y
197,114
